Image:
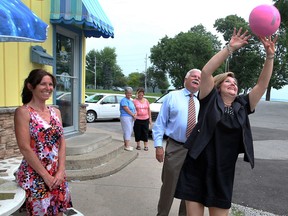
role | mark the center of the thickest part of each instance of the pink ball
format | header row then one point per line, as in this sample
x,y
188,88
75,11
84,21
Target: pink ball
x,y
264,20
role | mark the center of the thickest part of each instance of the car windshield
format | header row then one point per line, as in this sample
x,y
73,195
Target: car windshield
x,y
94,98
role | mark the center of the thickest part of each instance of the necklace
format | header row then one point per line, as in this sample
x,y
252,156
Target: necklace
x,y
227,105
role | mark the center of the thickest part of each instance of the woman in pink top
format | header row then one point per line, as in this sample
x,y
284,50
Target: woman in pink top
x,y
143,119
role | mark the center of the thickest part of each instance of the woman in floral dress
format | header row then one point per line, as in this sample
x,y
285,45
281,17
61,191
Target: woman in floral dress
x,y
39,134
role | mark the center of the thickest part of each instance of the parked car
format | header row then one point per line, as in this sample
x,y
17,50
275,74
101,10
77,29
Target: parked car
x,y
116,88
65,96
103,106
63,100
155,108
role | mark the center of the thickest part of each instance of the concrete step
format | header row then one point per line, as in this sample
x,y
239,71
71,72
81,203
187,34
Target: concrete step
x,y
112,166
96,157
87,142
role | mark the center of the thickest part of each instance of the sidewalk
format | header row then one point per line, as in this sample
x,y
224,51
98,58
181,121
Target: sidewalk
x,y
133,191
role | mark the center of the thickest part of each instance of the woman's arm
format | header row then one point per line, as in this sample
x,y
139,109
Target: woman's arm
x,y
126,108
22,133
266,73
149,112
207,82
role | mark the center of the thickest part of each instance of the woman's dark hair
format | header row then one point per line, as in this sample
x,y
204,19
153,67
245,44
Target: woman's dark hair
x,y
140,90
34,78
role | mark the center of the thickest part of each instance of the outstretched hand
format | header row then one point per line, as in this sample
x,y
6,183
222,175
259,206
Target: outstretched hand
x,y
238,40
269,44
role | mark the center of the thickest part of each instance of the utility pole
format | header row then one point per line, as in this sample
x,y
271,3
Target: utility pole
x,y
95,77
145,73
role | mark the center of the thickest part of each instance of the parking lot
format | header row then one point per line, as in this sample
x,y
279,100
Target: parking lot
x,y
264,187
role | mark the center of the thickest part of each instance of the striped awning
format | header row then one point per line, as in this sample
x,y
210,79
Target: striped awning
x,y
19,24
85,14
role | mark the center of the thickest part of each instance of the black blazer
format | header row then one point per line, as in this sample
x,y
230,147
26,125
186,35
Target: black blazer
x,y
211,111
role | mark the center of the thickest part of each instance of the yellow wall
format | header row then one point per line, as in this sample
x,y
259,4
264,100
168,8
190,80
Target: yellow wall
x,y
15,63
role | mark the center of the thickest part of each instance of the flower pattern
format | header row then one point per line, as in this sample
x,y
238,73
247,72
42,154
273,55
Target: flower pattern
x,y
45,141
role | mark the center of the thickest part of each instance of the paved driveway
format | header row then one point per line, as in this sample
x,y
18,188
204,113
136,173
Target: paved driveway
x,y
266,186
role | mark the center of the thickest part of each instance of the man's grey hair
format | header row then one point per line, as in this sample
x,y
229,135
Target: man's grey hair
x,y
128,90
192,70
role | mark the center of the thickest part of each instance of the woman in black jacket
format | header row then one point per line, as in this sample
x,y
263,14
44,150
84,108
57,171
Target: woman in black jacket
x,y
222,132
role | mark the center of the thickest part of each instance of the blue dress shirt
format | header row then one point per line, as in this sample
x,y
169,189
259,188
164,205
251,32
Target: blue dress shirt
x,y
173,116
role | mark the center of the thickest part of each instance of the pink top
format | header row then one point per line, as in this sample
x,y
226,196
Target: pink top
x,y
142,109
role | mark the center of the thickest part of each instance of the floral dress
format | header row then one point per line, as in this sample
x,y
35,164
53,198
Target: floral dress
x,y
45,141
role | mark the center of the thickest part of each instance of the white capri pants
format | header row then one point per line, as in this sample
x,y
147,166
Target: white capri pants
x,y
127,123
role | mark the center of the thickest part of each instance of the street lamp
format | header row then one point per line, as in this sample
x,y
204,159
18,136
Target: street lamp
x,y
94,72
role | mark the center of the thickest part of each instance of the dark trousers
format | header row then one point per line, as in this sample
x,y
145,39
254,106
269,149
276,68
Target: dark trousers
x,y
141,130
175,155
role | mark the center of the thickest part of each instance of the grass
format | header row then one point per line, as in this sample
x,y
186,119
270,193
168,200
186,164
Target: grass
x,y
236,212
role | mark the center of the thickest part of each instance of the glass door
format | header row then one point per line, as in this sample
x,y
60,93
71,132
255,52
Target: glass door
x,y
67,99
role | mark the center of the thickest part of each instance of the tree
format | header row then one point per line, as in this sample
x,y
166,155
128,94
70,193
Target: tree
x,y
280,71
247,62
280,76
282,6
136,80
107,71
119,79
107,65
176,56
156,78
90,68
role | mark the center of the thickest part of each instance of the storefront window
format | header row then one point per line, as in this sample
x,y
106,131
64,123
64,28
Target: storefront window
x,y
65,77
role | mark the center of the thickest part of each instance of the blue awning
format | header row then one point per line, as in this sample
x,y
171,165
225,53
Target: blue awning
x,y
85,14
18,23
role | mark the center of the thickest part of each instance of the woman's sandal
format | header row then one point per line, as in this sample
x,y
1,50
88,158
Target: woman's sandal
x,y
139,148
145,148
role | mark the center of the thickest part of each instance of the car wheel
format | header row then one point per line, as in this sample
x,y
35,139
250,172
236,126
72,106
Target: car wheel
x,y
91,116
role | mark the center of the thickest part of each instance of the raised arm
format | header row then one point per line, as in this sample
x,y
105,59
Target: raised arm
x,y
266,73
237,41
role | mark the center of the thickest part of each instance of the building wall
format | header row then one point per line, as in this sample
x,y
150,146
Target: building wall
x,y
15,65
8,144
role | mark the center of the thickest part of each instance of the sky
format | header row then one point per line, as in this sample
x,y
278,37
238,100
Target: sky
x,y
141,24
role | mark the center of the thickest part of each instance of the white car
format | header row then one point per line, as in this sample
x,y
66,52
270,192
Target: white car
x,y
155,108
103,106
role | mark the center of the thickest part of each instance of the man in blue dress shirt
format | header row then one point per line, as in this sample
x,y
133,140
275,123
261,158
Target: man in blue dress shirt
x,y
172,121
